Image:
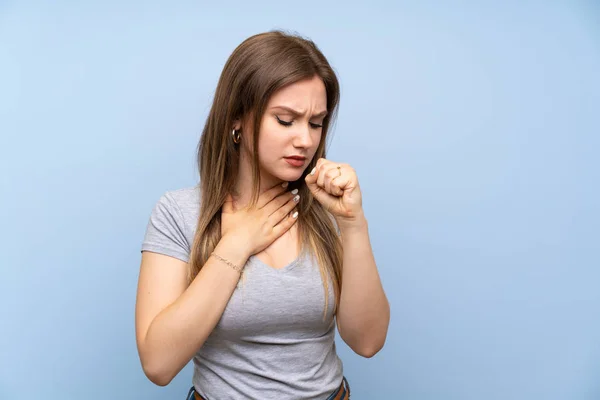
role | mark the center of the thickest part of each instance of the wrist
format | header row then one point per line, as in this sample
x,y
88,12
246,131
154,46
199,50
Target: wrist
x,y
354,223
233,249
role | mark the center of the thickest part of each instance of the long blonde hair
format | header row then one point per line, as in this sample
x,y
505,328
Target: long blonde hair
x,y
256,69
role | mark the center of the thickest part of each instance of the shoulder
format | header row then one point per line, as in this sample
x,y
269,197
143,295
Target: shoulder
x,y
171,226
182,197
183,204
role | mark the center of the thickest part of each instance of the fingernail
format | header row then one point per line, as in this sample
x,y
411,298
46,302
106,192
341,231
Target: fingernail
x,y
296,198
294,191
313,171
284,184
295,215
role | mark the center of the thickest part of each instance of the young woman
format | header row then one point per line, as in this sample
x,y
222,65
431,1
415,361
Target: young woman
x,y
248,272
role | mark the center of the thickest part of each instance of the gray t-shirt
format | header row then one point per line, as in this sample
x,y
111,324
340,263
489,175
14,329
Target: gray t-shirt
x,y
272,341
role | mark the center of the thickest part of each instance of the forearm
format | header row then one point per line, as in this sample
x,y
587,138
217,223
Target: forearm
x,y
180,330
364,313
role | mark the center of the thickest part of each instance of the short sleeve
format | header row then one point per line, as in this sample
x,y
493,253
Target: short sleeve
x,y
165,232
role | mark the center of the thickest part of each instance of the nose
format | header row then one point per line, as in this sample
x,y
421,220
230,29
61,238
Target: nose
x,y
303,138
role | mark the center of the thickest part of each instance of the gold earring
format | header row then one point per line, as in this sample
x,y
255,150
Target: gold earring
x,y
237,136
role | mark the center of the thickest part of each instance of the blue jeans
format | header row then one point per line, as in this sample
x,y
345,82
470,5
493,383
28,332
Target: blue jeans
x,y
345,387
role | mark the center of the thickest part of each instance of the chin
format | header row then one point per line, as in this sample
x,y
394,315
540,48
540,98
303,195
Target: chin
x,y
288,174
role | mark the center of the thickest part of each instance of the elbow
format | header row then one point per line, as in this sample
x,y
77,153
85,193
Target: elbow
x,y
158,377
365,347
369,344
369,350
157,374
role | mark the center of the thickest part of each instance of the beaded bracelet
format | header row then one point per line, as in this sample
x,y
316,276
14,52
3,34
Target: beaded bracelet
x,y
232,265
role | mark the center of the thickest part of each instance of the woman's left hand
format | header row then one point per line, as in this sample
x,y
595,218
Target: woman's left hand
x,y
336,187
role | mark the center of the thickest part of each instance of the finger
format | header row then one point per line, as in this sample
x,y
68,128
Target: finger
x,y
322,165
311,182
277,215
311,178
270,194
337,187
285,224
326,172
332,175
320,194
321,162
338,184
340,179
280,201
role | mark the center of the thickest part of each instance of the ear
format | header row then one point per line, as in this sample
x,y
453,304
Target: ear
x,y
237,124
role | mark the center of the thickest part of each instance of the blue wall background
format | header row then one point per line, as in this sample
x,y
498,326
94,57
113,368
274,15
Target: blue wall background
x,y
473,126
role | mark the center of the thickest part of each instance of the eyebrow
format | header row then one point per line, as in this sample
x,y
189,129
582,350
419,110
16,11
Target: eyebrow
x,y
298,113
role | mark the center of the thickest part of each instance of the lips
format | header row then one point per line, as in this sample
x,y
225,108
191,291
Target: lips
x,y
299,158
295,161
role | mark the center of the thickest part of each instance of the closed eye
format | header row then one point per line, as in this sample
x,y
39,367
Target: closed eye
x,y
282,122
289,123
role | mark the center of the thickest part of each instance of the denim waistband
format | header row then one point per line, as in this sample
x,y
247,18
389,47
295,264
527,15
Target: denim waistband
x,y
344,388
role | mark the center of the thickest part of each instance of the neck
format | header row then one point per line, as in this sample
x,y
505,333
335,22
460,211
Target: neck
x,y
245,182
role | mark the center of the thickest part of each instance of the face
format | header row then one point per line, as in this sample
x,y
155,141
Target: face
x,y
291,130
